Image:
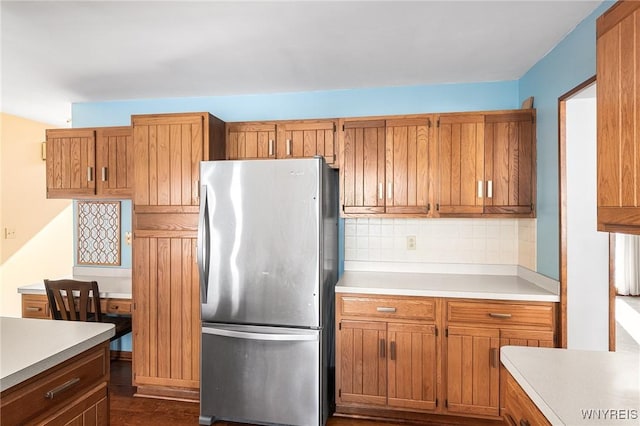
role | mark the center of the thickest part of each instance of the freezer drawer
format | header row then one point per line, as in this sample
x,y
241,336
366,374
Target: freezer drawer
x,y
261,375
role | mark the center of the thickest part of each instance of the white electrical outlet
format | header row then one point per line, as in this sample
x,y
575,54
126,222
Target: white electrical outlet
x,y
9,233
411,242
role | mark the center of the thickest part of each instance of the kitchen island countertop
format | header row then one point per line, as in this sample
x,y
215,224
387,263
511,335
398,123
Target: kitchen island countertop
x,y
576,387
30,346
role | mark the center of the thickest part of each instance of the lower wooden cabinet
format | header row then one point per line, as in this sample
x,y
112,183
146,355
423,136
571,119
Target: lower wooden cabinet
x,y
519,409
420,357
387,354
72,393
37,306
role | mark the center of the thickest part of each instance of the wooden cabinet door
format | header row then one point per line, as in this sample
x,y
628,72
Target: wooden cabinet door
x,y
363,167
618,120
461,164
473,370
114,161
251,141
308,138
407,165
71,168
168,149
412,366
509,163
166,317
361,362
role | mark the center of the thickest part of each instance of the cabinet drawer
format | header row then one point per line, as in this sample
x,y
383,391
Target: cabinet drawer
x,y
55,387
519,409
419,308
498,313
35,306
115,306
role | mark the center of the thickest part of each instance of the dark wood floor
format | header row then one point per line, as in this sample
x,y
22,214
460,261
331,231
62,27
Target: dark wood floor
x,y
127,410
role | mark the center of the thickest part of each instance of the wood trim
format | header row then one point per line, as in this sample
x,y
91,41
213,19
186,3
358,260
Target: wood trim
x,y
612,292
614,15
137,209
121,356
562,172
163,392
388,416
611,218
173,118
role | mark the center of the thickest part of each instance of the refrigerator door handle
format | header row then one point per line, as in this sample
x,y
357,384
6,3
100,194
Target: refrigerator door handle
x,y
260,336
203,241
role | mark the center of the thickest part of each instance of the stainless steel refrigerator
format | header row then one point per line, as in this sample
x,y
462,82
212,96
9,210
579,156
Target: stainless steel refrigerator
x,y
268,259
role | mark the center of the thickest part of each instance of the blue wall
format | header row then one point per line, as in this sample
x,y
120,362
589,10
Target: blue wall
x,y
570,63
333,103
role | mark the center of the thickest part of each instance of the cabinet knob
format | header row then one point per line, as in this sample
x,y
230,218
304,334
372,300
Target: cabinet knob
x,y
385,309
499,315
90,174
104,174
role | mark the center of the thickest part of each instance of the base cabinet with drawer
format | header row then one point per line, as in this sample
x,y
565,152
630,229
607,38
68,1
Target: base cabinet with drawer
x,y
72,393
392,361
386,352
37,306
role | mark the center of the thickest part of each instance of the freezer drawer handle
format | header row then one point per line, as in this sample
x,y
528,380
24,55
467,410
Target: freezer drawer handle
x,y
385,309
260,336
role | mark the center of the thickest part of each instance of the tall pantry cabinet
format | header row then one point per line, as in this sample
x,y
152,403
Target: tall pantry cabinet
x,y
166,340
618,118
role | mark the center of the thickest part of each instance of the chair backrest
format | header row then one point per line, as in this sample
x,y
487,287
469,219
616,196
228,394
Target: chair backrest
x,y
74,300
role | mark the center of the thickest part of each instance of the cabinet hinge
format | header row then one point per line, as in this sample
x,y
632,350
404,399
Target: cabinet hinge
x,y
436,402
339,393
436,331
334,127
437,207
438,123
446,403
531,206
446,332
428,122
340,325
428,207
343,127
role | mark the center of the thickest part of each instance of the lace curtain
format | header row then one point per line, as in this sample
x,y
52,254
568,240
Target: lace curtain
x,y
627,260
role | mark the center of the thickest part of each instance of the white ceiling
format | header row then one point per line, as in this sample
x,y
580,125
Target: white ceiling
x,y
57,52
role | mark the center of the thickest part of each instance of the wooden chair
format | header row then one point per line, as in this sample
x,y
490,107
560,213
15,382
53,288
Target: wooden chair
x,y
74,300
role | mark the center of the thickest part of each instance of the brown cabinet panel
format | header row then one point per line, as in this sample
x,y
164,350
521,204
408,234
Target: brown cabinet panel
x,y
388,307
509,164
412,364
461,164
502,314
473,371
618,118
407,166
307,138
363,167
114,162
166,317
71,163
520,409
77,391
361,353
251,141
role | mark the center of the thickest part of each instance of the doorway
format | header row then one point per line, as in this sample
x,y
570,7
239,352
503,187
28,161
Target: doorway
x,y
586,307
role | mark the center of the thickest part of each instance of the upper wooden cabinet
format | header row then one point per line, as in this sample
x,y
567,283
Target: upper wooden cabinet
x,y
251,140
510,163
168,149
460,164
89,163
618,120
486,164
385,166
282,139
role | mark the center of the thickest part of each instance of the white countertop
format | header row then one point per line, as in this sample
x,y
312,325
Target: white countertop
x,y
569,385
30,346
112,287
473,286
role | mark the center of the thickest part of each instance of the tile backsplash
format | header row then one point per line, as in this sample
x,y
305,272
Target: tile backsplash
x,y
486,241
